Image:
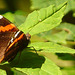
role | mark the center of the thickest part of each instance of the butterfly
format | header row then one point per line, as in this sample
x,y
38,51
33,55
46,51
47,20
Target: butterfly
x,y
12,40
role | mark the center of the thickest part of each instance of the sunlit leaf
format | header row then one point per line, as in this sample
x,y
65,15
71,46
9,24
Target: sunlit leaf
x,y
43,20
9,16
2,72
68,71
59,37
51,47
32,64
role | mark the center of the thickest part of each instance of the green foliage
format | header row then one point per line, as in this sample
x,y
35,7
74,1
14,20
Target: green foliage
x,y
51,47
8,16
2,72
17,18
43,23
59,37
70,28
29,64
74,14
43,20
44,3
37,4
68,71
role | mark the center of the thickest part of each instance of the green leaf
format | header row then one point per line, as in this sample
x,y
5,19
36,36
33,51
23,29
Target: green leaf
x,y
20,12
68,71
17,72
32,64
48,67
59,37
2,72
74,14
19,19
51,47
67,26
70,28
9,16
43,20
37,4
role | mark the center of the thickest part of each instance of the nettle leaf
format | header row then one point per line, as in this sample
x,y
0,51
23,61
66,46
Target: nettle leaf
x,y
68,70
19,19
51,47
59,37
68,26
2,72
43,20
37,4
74,14
9,16
32,64
17,72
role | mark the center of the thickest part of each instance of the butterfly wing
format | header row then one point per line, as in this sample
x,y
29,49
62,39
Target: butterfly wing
x,y
11,40
7,31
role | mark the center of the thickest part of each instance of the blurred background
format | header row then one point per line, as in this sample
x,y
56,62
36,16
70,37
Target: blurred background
x,y
12,6
28,6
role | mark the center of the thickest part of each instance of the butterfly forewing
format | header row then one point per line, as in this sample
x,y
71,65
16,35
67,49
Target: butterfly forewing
x,y
6,33
12,40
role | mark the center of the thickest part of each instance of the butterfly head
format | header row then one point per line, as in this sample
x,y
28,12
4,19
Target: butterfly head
x,y
28,36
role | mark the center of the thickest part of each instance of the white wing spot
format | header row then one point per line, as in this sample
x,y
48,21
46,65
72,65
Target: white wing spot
x,y
1,16
11,40
17,34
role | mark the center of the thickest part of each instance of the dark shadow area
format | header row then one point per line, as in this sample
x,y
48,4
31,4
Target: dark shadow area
x,y
69,18
4,11
11,4
65,56
14,5
7,69
28,60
